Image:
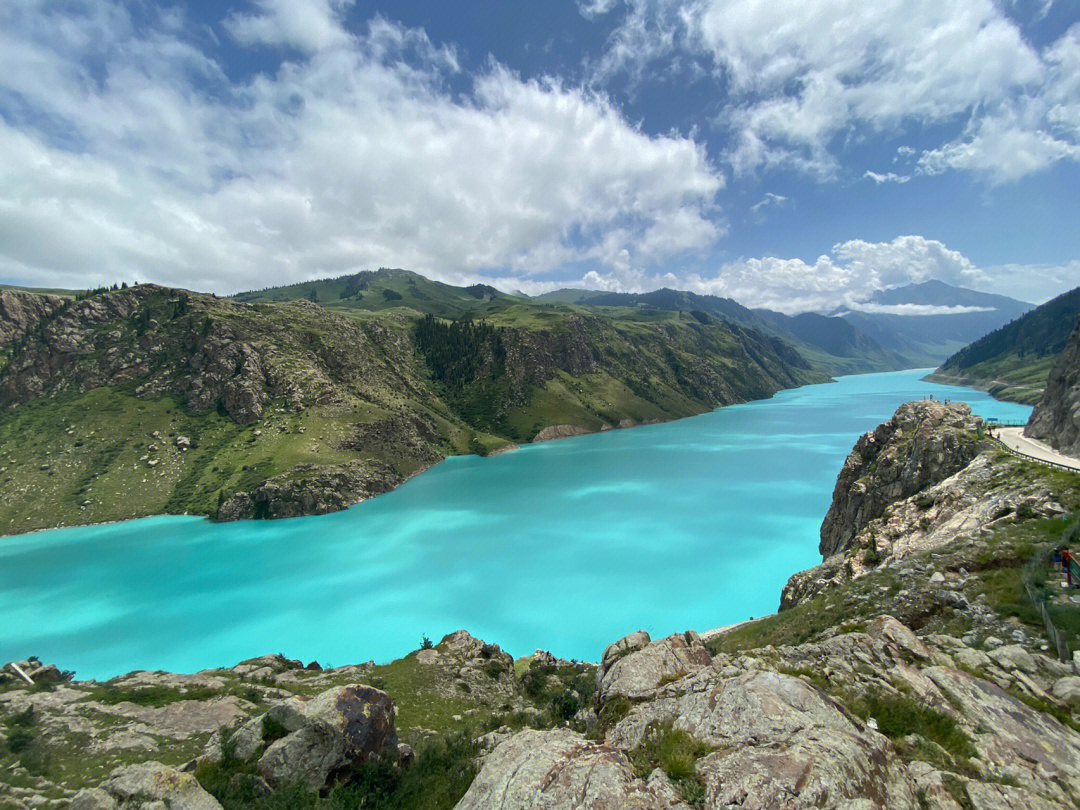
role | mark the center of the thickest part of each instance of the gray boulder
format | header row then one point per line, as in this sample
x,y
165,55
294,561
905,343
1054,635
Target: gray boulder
x,y
146,785
780,743
328,735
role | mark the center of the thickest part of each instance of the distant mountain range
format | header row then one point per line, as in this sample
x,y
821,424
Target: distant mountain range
x,y
1013,362
914,320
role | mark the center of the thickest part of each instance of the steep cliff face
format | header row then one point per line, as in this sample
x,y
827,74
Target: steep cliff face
x,y
210,352
925,442
20,311
1056,419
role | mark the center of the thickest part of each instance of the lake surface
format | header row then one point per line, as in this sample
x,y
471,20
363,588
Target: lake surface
x,y
565,546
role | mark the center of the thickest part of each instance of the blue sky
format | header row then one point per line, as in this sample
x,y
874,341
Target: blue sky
x,y
789,154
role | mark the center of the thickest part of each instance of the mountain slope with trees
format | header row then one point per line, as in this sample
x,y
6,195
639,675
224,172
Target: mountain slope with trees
x,y
1013,362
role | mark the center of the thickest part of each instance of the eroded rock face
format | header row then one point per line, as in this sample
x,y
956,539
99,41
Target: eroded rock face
x,y
19,311
923,443
1056,419
561,769
148,785
985,492
559,432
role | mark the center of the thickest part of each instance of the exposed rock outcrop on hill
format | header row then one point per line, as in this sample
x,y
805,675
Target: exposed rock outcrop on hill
x,y
925,442
1056,419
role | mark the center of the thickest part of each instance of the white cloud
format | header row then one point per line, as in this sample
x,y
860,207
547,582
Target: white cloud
x,y
310,25
130,154
887,177
849,274
913,309
770,200
801,79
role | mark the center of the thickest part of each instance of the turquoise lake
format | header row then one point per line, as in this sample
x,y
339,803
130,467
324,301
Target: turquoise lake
x,y
565,546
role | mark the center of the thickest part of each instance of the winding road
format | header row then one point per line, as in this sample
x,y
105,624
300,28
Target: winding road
x,y
1015,440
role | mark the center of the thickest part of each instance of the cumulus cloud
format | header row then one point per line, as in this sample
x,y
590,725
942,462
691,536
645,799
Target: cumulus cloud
x,y
802,79
129,153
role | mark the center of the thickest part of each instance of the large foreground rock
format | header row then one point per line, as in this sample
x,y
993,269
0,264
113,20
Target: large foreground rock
x,y
148,785
561,769
325,737
634,668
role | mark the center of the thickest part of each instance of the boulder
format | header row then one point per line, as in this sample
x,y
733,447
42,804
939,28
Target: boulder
x,y
1012,657
146,785
638,672
1067,690
561,769
327,736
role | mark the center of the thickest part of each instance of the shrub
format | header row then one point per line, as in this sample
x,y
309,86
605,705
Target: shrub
x,y
425,643
564,706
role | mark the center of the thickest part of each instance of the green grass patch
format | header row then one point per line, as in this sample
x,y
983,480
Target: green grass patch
x,y
676,752
153,696
899,716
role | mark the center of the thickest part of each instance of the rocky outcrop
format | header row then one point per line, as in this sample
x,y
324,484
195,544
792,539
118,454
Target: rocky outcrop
x,y
559,432
876,719
146,786
21,311
923,443
210,352
308,489
1056,419
987,492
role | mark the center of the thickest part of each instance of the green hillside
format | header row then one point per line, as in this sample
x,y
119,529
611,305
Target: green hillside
x,y
1013,362
378,290
149,400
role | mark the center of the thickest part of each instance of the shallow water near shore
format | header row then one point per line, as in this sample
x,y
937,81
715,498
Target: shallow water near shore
x,y
566,546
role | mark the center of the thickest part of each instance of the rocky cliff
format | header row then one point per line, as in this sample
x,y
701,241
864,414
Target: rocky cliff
x,y
1056,418
21,311
924,443
925,479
